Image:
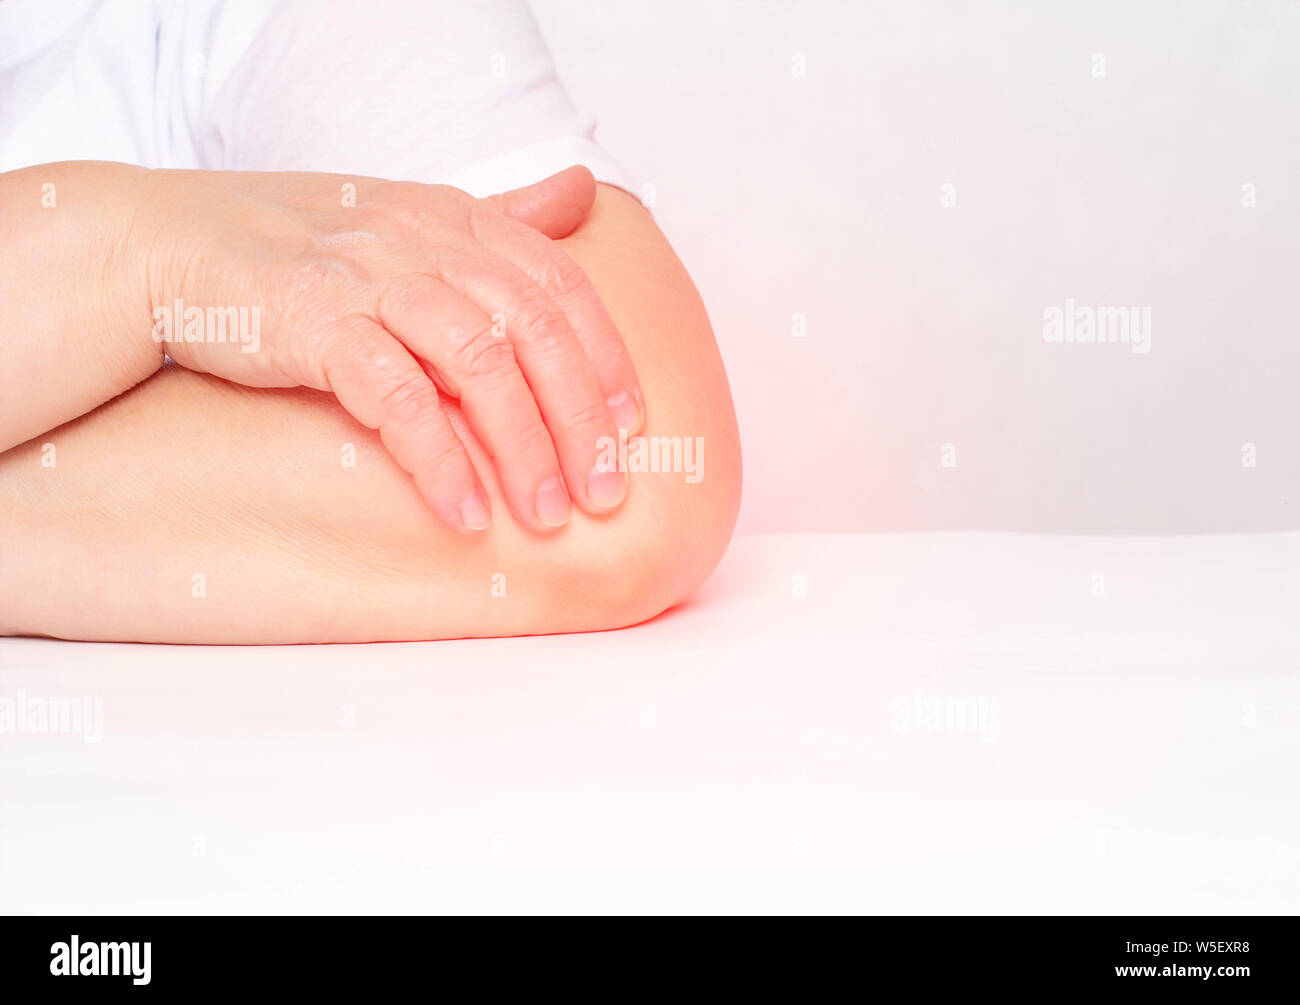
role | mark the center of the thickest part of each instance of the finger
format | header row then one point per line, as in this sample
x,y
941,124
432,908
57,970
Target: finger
x,y
567,284
476,362
555,206
556,369
378,382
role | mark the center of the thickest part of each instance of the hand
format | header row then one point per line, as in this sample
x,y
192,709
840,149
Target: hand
x,y
388,293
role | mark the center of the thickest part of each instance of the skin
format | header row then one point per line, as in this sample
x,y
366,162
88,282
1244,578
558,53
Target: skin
x,y
393,296
189,475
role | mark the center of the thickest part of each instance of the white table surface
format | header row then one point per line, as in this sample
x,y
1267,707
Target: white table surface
x,y
1139,751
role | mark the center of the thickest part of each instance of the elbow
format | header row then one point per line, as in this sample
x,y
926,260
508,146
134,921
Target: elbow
x,y
677,528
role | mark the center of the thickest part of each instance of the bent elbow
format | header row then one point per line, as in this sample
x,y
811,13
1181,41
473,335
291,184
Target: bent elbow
x,y
681,531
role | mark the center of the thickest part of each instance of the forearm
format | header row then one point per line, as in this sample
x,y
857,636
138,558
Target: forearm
x,y
75,320
254,492
194,510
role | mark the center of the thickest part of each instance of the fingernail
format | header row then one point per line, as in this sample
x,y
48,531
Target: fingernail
x,y
552,503
623,407
606,489
474,512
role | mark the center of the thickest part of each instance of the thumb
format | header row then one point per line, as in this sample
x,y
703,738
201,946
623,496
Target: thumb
x,y
554,205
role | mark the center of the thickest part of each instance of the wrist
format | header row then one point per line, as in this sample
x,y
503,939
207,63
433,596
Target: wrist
x,y
174,238
129,292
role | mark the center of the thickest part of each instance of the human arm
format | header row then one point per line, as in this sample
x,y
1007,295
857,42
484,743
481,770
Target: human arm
x,y
375,291
188,476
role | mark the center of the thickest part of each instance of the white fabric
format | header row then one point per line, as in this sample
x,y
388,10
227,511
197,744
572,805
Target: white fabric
x,y
463,94
757,749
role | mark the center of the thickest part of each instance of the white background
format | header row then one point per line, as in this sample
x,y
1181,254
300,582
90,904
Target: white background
x,y
821,196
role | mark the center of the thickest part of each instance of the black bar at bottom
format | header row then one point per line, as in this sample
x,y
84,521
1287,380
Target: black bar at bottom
x,y
141,955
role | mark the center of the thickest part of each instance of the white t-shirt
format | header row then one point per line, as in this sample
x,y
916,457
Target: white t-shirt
x,y
425,90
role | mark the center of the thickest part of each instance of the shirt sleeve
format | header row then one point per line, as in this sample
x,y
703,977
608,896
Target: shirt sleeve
x,y
455,93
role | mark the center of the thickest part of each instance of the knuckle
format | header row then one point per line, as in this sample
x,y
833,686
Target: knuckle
x,y
410,399
445,455
592,417
529,443
541,323
560,275
484,355
429,213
